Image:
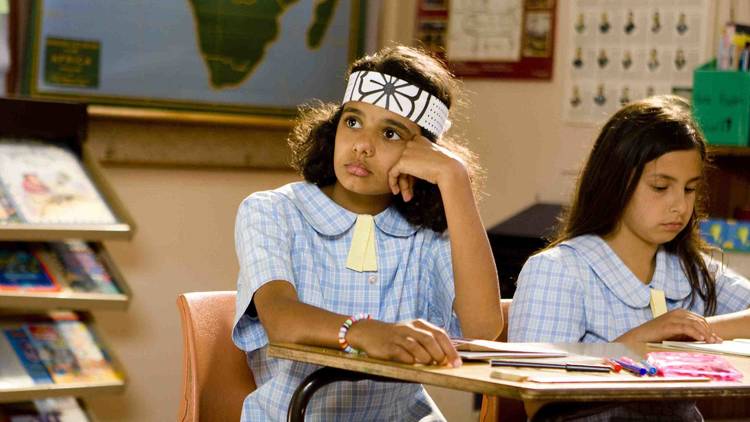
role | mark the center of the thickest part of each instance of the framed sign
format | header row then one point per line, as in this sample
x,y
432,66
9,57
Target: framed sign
x,y
253,57
490,39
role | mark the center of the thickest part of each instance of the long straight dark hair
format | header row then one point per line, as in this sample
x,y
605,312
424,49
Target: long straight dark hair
x,y
639,133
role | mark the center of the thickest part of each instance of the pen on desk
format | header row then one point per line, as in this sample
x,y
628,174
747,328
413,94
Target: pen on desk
x,y
634,369
614,365
565,366
652,370
633,363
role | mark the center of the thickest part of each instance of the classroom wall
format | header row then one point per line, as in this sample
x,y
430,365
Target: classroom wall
x,y
185,222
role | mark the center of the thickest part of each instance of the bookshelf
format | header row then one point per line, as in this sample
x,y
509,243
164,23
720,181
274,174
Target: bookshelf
x,y
60,244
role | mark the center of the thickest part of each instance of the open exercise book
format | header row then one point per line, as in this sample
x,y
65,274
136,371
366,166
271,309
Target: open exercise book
x,y
486,350
738,347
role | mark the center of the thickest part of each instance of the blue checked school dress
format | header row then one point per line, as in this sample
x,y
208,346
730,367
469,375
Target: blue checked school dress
x,y
580,291
297,234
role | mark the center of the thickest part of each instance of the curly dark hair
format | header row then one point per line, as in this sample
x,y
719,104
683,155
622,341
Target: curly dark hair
x,y
313,137
637,134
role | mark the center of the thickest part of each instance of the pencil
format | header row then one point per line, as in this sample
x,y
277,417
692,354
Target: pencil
x,y
565,366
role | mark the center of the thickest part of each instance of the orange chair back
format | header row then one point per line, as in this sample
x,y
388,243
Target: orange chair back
x,y
216,378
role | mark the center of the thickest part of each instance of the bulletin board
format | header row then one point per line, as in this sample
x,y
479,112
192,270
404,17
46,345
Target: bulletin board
x,y
511,39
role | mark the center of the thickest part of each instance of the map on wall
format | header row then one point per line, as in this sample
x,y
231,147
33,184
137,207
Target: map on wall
x,y
263,56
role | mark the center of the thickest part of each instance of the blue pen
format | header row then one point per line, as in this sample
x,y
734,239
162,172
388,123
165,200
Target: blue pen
x,y
633,369
651,368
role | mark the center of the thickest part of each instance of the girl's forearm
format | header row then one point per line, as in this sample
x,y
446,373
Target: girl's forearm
x,y
477,301
287,320
729,326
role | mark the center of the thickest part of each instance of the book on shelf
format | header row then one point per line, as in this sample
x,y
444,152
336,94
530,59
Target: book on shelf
x,y
47,184
8,213
93,363
27,354
21,269
71,265
64,409
12,372
54,409
54,352
83,268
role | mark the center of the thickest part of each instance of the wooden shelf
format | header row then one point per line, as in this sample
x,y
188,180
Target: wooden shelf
x,y
79,301
8,395
50,232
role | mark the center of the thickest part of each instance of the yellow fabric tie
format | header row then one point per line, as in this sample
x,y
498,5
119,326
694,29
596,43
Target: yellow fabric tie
x,y
362,251
658,303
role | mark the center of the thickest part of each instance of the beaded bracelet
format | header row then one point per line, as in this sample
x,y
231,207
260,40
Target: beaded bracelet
x,y
345,328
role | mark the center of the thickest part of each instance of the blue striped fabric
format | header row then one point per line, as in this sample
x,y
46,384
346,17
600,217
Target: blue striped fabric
x,y
580,291
297,234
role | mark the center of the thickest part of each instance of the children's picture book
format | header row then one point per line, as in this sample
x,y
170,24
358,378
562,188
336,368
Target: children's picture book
x,y
12,372
94,366
62,409
27,354
8,213
83,268
21,269
53,409
46,184
59,360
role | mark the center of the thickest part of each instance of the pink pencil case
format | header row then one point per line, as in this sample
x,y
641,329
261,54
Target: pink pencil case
x,y
690,364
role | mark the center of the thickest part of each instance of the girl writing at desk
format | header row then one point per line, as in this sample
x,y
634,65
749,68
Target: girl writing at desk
x,y
358,256
629,247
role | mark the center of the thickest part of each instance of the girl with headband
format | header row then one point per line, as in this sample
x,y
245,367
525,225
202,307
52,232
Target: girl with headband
x,y
380,250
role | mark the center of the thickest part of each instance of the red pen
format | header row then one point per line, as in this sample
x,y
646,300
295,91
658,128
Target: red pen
x,y
614,365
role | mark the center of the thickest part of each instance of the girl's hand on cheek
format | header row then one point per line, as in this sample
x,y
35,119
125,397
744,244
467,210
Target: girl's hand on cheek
x,y
424,160
411,342
679,324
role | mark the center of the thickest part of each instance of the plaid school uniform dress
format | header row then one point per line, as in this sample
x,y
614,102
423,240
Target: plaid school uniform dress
x,y
580,291
297,234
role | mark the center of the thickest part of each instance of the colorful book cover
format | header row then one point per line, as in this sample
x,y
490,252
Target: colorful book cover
x,y
84,270
94,366
48,185
54,352
12,372
62,409
20,268
28,355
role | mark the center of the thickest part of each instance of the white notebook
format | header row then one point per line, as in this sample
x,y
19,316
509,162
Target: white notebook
x,y
739,347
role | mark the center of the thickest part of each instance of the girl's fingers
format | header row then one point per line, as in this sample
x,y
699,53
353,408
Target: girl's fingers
x,y
430,344
393,179
403,186
399,353
410,187
443,342
417,350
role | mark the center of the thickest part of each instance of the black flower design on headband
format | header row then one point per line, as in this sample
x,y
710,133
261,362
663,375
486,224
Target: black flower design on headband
x,y
398,96
390,88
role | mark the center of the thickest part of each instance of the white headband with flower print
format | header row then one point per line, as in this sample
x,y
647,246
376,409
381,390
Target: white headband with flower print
x,y
398,96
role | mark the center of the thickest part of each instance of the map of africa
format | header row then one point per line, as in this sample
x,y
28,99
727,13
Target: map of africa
x,y
261,56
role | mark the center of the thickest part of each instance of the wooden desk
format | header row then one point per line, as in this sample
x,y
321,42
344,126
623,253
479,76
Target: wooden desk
x,y
475,377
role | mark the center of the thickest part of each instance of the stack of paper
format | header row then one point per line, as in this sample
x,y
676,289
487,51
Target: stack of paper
x,y
485,350
739,347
